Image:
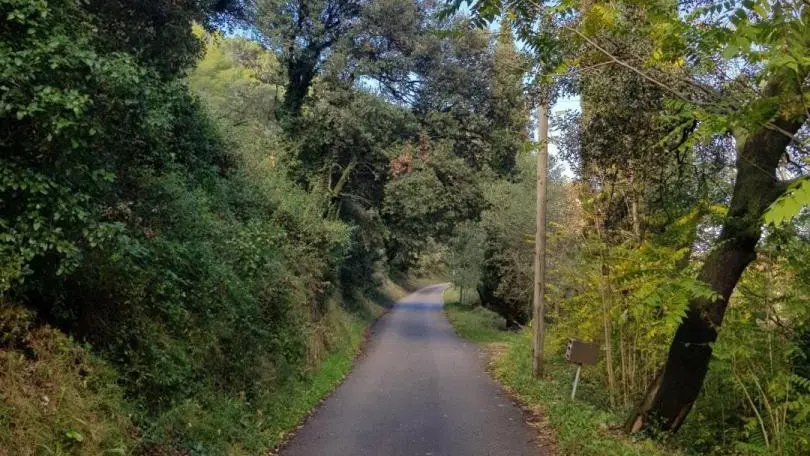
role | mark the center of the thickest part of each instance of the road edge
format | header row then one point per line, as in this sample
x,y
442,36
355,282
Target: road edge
x,y
368,334
533,416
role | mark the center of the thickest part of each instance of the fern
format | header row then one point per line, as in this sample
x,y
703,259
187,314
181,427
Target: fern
x,y
801,382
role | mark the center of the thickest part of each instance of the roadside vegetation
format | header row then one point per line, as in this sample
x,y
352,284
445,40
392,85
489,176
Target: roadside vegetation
x,y
60,398
677,217
585,426
202,205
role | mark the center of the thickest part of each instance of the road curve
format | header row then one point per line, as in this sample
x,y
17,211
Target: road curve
x,y
419,390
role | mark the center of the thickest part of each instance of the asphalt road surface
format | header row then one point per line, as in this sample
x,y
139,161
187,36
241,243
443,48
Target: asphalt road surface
x,y
419,390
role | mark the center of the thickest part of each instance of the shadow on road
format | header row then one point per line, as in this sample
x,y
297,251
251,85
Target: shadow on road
x,y
419,306
432,289
420,332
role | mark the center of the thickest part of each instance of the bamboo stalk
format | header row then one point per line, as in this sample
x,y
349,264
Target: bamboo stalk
x,y
754,408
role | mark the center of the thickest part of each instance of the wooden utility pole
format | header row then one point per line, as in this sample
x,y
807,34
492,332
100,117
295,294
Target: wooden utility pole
x,y
538,303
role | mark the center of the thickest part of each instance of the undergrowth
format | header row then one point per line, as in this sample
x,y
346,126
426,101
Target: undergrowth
x,y
57,398
474,322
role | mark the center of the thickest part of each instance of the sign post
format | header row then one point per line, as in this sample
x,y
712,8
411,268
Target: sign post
x,y
579,353
576,382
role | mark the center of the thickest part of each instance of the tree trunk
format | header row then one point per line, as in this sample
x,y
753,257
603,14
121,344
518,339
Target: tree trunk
x,y
676,387
636,219
300,73
604,297
538,302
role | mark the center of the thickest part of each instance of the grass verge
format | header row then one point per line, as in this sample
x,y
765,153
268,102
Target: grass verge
x,y
293,404
56,398
580,427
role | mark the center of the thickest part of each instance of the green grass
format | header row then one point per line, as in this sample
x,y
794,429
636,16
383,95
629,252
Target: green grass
x,y
56,398
251,427
291,404
474,322
266,421
288,406
581,428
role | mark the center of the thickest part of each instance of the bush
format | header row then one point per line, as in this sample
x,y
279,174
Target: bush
x,y
131,222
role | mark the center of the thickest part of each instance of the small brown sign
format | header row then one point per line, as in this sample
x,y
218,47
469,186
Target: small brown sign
x,y
580,352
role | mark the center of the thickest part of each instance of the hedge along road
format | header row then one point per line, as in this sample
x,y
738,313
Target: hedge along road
x,y
419,390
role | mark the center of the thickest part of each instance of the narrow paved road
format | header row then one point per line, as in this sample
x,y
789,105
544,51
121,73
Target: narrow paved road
x,y
419,390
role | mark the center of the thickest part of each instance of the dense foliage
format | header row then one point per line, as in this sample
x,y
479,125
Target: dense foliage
x,y
692,134
191,221
131,223
197,199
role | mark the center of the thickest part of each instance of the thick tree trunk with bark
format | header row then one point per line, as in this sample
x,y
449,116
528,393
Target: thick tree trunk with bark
x,y
300,72
673,392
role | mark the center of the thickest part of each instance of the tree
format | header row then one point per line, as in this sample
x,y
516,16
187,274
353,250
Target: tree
x,y
453,96
130,224
467,94
430,193
466,257
763,106
342,152
303,32
387,44
763,134
158,32
508,225
508,107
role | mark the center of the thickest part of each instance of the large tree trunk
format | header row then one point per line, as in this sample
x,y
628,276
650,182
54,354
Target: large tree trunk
x,y
670,396
300,72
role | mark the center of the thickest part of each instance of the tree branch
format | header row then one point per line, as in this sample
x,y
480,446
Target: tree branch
x,y
632,68
793,137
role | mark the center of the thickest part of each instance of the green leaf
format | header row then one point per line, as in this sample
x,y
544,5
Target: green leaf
x,y
75,436
788,205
